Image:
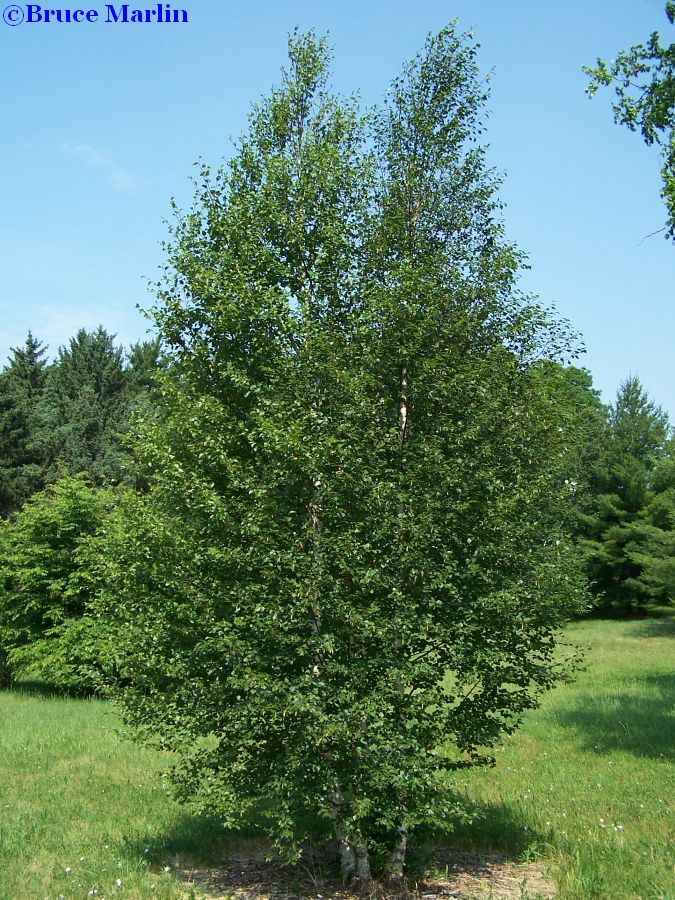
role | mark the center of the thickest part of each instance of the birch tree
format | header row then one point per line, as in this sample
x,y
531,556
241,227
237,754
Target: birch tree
x,y
346,579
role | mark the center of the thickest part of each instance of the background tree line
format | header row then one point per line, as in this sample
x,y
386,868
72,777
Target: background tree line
x,y
70,416
63,427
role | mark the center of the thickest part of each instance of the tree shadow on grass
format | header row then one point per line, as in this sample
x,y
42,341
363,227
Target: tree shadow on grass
x,y
34,688
493,826
193,840
495,853
200,851
661,627
638,720
650,615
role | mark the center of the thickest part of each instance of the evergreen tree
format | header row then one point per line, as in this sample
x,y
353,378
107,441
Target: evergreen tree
x,y
84,409
21,461
652,546
358,474
638,434
639,427
143,365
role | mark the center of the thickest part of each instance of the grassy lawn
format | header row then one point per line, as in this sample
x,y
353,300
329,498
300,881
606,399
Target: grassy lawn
x,y
587,786
80,809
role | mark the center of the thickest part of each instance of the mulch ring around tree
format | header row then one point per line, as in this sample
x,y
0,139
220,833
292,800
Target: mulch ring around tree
x,y
477,875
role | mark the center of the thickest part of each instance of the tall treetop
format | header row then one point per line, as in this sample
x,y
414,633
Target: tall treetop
x,y
638,424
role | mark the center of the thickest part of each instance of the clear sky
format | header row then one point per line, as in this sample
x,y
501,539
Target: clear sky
x,y
101,124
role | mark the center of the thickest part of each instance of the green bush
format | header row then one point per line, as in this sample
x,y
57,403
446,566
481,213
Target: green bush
x,y
46,582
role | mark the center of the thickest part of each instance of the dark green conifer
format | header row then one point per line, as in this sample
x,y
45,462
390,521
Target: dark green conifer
x,y
22,381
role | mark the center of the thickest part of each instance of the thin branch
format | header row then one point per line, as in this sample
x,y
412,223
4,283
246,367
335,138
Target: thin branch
x,y
658,231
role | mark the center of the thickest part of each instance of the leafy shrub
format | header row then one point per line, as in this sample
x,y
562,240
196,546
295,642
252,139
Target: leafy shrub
x,y
46,582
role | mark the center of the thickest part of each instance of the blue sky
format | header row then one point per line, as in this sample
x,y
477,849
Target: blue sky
x,y
102,123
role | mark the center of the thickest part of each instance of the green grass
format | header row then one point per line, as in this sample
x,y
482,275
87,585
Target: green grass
x,y
588,784
75,796
598,753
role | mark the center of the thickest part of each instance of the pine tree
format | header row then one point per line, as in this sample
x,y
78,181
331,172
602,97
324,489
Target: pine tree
x,y
84,408
637,437
21,461
143,364
652,545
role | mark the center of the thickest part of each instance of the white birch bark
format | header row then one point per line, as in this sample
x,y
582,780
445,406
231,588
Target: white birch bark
x,y
398,854
346,851
317,528
348,861
363,872
403,405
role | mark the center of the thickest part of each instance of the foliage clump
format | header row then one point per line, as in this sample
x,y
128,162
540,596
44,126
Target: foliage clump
x,y
21,460
46,585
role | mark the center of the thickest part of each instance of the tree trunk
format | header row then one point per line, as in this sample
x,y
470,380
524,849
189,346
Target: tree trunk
x,y
348,862
398,853
403,405
363,863
317,528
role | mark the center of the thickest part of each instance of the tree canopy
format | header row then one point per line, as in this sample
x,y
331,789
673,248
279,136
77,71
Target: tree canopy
x,y
83,408
71,416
